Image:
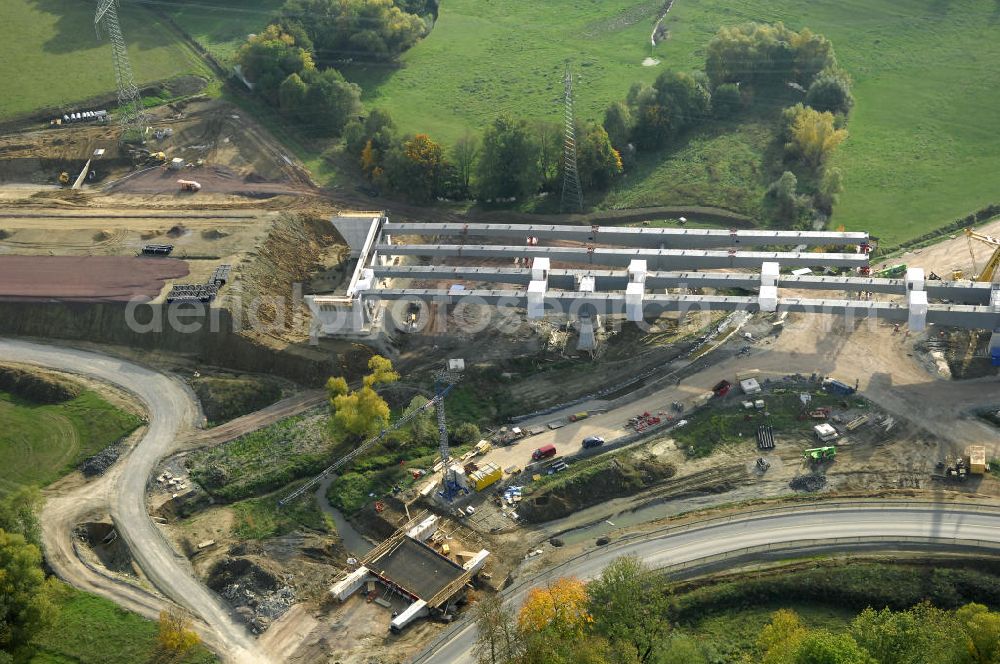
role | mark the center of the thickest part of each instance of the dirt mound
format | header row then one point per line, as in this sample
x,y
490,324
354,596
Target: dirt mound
x,y
149,235
214,234
614,478
176,231
808,483
4,234
36,386
103,235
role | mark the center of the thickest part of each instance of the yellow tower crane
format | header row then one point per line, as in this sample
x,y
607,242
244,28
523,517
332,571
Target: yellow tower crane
x,y
990,269
987,275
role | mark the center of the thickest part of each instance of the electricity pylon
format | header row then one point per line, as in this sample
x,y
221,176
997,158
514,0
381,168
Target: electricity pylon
x,y
132,116
572,195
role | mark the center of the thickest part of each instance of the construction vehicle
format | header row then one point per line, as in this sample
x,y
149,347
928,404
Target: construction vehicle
x,y
485,475
836,387
820,454
483,446
891,272
722,388
64,178
987,276
189,185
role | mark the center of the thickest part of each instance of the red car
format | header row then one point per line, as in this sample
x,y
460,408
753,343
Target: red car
x,y
543,452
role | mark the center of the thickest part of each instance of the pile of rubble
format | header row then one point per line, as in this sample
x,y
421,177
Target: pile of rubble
x,y
808,483
258,596
100,462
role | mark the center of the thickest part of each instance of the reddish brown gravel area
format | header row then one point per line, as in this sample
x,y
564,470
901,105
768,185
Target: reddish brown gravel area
x,y
85,278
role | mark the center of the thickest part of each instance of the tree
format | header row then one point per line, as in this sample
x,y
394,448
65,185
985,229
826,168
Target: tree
x,y
780,637
982,632
464,154
267,59
292,94
336,386
831,184
727,100
920,634
559,607
549,138
597,161
618,124
175,637
498,641
629,607
814,137
823,647
416,168
18,514
357,29
25,607
788,204
831,91
330,101
770,55
509,163
362,412
467,433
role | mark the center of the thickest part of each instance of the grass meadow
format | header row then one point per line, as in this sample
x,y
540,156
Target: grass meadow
x,y
53,58
39,443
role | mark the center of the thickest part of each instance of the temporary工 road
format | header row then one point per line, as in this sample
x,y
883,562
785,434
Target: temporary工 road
x,y
870,523
170,408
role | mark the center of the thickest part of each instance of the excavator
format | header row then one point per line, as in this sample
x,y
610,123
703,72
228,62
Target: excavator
x,y
987,275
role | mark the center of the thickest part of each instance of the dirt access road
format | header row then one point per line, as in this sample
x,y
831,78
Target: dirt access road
x,y
884,364
171,408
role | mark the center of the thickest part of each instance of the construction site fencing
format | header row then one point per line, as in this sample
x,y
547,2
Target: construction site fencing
x,y
775,550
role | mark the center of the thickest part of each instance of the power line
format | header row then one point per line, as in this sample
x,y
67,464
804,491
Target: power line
x,y
132,115
572,196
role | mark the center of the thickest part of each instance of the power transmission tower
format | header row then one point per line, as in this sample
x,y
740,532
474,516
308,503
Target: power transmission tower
x,y
572,195
132,116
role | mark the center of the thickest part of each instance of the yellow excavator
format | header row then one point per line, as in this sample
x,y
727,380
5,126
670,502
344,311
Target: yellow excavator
x,y
987,275
990,269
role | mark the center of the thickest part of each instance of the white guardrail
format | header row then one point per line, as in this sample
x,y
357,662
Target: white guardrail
x,y
813,545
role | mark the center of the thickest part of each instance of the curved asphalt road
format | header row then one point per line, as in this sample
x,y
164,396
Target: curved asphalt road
x,y
169,407
818,523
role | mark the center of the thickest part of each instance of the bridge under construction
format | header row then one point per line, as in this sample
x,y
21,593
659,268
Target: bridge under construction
x,y
586,272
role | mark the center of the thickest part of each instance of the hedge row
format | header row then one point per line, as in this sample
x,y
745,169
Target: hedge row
x,y
971,219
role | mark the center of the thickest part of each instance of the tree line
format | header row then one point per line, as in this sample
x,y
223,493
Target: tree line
x,y
292,63
627,616
750,65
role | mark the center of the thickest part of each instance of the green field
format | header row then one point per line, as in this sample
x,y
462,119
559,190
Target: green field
x,y
92,630
924,133
55,59
39,443
482,58
222,28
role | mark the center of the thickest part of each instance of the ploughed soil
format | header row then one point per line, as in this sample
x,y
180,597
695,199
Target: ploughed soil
x,y
85,278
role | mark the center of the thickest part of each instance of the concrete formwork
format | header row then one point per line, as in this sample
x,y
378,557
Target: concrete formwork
x,y
687,259
666,238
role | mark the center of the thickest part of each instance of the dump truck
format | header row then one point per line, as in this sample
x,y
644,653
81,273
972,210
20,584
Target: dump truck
x,y
487,474
189,185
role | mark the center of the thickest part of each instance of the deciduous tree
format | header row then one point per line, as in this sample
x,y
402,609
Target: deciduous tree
x,y
814,136
24,601
629,607
175,637
498,641
509,162
560,606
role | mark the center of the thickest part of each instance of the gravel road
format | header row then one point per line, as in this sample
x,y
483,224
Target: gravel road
x,y
171,408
